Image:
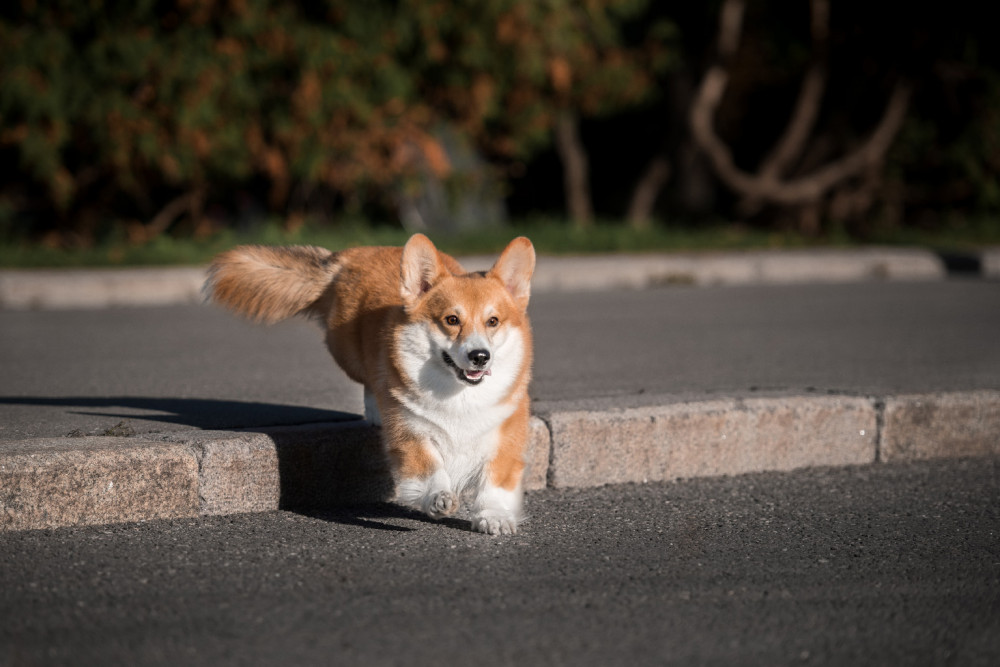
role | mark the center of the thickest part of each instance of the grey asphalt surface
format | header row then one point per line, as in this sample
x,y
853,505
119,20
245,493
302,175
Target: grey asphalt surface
x,y
183,367
876,565
883,564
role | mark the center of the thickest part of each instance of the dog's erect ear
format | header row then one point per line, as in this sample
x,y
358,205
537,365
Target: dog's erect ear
x,y
420,270
514,269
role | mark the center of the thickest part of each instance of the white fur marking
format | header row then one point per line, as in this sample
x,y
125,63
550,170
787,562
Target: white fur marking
x,y
497,510
432,496
460,425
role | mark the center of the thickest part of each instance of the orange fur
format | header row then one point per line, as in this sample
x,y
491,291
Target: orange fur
x,y
401,321
271,284
408,456
507,467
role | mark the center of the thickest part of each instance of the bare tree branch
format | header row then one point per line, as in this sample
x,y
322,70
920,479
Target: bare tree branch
x,y
767,184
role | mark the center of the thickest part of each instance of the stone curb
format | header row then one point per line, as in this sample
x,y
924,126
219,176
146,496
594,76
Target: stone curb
x,y
718,437
101,288
990,262
47,483
54,289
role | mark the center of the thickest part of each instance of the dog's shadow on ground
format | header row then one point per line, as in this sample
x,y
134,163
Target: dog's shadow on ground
x,y
340,474
201,413
381,516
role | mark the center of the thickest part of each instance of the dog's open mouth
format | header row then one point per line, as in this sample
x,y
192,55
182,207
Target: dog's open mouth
x,y
471,377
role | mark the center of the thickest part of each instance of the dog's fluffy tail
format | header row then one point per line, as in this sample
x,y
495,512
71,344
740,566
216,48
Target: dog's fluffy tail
x,y
268,284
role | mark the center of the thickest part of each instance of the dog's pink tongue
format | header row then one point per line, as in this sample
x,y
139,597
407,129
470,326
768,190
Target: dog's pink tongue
x,y
477,374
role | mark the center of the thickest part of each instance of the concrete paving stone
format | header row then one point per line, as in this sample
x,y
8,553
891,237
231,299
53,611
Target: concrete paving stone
x,y
45,483
238,472
832,265
923,426
54,482
311,466
100,288
554,274
718,437
990,260
315,466
320,466
735,268
536,458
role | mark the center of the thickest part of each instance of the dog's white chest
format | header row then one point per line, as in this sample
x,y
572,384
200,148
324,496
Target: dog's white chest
x,y
464,432
461,422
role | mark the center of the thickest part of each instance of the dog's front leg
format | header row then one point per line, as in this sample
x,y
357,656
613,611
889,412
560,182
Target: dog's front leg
x,y
421,480
497,508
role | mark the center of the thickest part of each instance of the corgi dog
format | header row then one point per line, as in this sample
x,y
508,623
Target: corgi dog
x,y
444,356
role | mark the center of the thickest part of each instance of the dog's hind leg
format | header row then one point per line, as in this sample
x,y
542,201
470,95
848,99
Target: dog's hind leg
x,y
372,414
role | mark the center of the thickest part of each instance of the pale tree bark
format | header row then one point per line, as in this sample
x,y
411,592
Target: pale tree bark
x,y
678,160
770,183
576,170
695,183
640,209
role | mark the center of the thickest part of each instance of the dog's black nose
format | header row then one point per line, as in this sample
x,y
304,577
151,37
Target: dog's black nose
x,y
479,357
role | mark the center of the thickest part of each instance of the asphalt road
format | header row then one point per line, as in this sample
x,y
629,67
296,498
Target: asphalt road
x,y
876,565
174,368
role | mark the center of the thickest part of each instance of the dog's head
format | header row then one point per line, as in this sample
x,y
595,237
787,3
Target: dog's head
x,y
471,326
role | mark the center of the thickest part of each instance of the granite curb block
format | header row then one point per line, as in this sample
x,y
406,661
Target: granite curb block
x,y
753,267
54,289
924,426
990,263
52,482
102,288
719,437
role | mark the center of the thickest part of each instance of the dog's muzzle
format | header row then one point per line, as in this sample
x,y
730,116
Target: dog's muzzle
x,y
475,375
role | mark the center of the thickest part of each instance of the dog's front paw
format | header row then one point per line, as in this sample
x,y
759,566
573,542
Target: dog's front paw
x,y
493,525
442,503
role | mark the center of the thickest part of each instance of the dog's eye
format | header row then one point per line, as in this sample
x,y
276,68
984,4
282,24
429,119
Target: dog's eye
x,y
452,321
492,322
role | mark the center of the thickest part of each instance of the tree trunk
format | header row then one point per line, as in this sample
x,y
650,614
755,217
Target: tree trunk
x,y
640,210
694,185
576,179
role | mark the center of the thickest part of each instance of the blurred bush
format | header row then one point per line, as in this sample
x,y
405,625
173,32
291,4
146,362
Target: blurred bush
x,y
135,117
125,120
